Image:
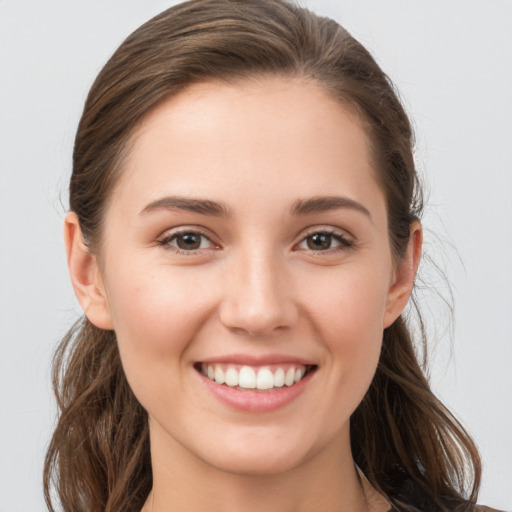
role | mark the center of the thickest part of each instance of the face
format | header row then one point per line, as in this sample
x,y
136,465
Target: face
x,y
246,269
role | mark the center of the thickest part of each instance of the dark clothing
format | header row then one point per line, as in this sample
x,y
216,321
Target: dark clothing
x,y
412,496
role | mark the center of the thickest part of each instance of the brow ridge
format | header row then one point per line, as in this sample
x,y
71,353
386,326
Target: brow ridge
x,y
320,204
312,205
190,204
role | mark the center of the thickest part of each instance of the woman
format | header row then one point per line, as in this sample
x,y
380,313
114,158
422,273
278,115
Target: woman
x,y
243,237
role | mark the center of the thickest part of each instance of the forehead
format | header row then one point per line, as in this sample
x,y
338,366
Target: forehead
x,y
286,137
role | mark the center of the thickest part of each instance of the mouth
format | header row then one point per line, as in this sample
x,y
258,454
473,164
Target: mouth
x,y
265,378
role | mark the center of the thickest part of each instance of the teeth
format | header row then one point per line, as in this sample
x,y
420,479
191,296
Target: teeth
x,y
231,377
279,378
289,378
265,379
220,378
247,377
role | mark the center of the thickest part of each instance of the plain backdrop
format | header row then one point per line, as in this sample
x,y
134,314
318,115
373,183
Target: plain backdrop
x,y
452,63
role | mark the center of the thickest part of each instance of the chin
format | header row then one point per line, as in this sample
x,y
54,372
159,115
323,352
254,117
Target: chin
x,y
255,463
259,452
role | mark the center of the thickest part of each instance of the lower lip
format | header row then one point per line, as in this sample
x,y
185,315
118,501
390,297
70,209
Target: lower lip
x,y
256,401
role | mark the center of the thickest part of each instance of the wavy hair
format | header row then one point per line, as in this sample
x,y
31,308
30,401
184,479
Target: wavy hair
x,y
98,459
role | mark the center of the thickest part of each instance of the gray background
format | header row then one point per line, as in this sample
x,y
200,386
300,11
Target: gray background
x,y
451,61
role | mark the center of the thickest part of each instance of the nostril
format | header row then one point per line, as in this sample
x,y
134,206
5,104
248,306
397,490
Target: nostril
x,y
258,324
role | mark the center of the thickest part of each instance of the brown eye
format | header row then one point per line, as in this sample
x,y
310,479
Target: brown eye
x,y
319,241
325,241
188,241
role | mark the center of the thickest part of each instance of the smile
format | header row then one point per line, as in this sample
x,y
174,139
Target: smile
x,y
264,378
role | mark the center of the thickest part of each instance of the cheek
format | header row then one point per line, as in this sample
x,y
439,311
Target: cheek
x,y
351,301
348,317
153,308
156,313
156,316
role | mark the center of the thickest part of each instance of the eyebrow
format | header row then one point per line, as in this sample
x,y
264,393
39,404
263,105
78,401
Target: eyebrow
x,y
208,207
326,203
189,204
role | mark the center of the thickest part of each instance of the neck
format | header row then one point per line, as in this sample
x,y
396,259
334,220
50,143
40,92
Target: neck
x,y
326,481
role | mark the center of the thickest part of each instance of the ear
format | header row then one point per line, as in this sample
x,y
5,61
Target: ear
x,y
403,277
85,275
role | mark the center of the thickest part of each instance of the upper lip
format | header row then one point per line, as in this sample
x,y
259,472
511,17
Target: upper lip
x,y
251,360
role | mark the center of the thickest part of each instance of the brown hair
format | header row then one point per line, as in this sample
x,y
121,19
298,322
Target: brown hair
x,y
98,458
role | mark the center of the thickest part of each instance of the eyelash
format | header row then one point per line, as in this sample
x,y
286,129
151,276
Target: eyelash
x,y
344,243
166,241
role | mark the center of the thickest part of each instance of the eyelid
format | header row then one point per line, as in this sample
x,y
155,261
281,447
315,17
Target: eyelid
x,y
168,235
332,230
346,240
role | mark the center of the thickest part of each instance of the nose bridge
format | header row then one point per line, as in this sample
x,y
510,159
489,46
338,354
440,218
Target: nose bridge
x,y
258,297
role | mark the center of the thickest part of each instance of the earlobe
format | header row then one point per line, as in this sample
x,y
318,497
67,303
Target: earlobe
x,y
403,280
85,275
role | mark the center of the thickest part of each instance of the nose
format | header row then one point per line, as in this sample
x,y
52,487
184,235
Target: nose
x,y
258,296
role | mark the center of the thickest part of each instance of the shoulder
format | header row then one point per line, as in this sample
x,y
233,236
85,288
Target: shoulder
x,y
482,508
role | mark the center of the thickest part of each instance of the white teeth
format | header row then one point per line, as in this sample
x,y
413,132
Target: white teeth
x,y
289,378
231,377
247,377
265,379
220,378
279,378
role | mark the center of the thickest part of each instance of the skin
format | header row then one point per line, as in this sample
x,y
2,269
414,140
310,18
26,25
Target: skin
x,y
254,287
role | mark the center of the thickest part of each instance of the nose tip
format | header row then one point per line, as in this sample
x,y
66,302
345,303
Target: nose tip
x,y
256,324
258,301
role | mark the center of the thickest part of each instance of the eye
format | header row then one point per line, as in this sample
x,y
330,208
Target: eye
x,y
187,241
323,241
